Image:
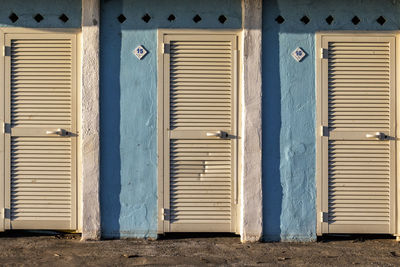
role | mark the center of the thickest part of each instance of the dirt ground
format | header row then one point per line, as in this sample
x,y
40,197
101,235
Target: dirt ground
x,y
30,249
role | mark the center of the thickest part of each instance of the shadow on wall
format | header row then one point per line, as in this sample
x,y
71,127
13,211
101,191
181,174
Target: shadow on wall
x,y
110,97
271,113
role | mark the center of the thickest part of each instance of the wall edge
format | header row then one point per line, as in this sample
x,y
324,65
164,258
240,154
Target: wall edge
x,y
90,117
251,221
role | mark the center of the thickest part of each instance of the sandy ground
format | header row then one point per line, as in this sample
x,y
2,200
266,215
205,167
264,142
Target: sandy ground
x,y
33,249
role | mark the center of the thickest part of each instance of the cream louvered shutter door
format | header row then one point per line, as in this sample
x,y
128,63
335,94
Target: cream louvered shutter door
x,y
41,137
200,167
359,151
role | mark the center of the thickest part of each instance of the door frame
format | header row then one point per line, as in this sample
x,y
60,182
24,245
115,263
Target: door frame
x,y
2,137
77,114
322,228
162,228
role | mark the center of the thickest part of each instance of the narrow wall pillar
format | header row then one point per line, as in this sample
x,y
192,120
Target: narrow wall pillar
x,y
90,121
251,186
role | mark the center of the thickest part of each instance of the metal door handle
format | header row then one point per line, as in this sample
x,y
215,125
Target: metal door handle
x,y
377,135
216,134
219,134
58,131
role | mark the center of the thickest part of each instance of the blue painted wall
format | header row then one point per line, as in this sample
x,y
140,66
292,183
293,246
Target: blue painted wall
x,y
128,102
289,104
49,9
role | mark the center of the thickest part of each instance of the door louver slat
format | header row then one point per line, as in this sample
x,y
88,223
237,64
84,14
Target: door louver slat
x,y
186,84
196,178
341,97
24,100
345,182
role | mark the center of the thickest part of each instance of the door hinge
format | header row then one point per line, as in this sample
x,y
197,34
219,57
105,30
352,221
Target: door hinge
x,y
6,51
324,131
5,214
165,48
165,214
323,216
324,53
6,128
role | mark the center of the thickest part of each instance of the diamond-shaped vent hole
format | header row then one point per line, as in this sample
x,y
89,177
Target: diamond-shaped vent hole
x,y
13,17
63,18
355,20
381,20
329,19
279,19
121,18
146,18
38,18
222,19
171,17
196,18
305,20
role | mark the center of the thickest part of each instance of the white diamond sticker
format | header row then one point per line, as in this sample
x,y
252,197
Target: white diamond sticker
x,y
140,52
298,54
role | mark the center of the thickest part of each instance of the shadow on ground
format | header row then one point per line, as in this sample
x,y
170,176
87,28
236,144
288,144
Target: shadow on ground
x,y
38,233
172,236
352,237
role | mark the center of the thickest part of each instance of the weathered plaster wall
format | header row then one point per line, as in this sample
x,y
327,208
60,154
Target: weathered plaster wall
x,y
90,117
49,9
128,105
289,104
251,128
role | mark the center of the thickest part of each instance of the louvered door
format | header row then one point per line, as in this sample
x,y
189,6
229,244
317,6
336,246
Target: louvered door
x,y
358,146
200,190
40,100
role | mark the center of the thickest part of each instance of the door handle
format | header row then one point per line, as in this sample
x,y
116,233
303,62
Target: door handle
x,y
216,134
58,132
377,135
219,134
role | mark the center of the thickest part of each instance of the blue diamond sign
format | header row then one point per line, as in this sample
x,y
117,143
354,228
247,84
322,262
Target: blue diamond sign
x,y
140,52
298,54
